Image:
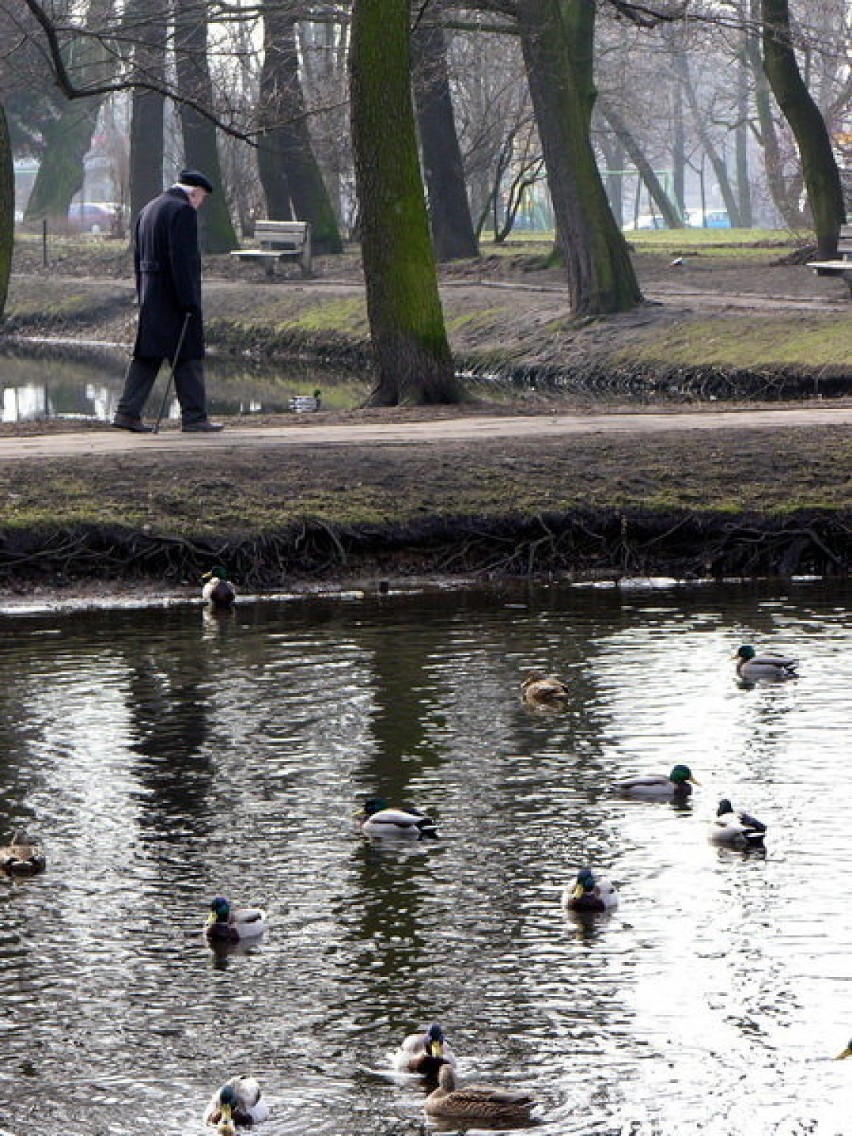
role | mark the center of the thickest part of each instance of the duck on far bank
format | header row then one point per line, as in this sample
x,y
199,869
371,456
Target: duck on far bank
x,y
229,924
590,892
500,1107
23,856
238,1101
381,820
677,786
424,1053
218,591
752,667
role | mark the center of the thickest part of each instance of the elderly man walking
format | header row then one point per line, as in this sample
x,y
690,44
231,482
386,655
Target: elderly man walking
x,y
167,263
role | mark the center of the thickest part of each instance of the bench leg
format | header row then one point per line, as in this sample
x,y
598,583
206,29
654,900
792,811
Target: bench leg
x,y
269,268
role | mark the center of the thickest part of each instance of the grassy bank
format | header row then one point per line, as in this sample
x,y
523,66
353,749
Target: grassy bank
x,y
738,321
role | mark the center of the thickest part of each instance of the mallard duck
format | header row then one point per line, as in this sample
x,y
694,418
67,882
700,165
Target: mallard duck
x,y
227,924
381,820
477,1102
22,857
238,1101
676,787
736,830
424,1053
544,690
751,666
219,592
590,893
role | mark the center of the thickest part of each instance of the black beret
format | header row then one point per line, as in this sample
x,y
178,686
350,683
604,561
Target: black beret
x,y
193,177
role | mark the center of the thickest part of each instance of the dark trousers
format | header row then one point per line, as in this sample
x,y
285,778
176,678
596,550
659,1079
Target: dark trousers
x,y
189,387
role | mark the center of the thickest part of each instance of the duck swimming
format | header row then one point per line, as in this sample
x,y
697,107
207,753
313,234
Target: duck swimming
x,y
424,1053
219,592
751,667
590,893
227,924
544,690
23,856
676,787
382,821
477,1102
735,829
238,1101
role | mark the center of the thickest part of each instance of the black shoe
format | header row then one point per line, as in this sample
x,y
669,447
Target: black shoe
x,y
205,426
134,425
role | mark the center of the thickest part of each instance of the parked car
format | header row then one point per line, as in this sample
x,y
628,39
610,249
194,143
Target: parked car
x,y
712,219
93,217
645,221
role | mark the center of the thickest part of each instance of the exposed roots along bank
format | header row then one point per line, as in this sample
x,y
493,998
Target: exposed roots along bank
x,y
604,544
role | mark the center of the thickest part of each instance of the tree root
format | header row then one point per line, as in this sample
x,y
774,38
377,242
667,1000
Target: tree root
x,y
603,545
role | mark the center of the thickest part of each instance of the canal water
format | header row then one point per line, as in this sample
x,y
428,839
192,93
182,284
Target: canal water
x,y
38,383
165,757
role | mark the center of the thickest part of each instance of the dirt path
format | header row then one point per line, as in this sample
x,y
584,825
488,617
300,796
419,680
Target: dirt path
x,y
462,429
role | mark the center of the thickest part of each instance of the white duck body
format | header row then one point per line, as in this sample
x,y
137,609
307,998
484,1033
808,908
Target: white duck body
x,y
590,892
229,924
424,1053
382,821
752,667
734,829
247,1106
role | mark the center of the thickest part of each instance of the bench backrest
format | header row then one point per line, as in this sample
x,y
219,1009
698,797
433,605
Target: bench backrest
x,y
282,234
844,243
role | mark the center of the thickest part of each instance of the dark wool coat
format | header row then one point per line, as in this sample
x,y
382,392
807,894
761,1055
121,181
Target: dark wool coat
x,y
168,278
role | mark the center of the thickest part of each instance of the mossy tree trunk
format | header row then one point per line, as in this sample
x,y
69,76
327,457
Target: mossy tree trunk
x,y
557,39
148,106
819,168
449,211
199,133
412,356
7,209
68,137
291,178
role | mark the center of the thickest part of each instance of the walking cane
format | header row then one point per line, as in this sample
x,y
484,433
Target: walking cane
x,y
175,358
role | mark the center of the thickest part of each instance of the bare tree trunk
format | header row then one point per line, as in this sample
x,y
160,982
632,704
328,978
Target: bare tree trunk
x,y
822,177
717,161
668,209
746,214
557,40
199,134
291,177
7,209
406,322
148,106
452,227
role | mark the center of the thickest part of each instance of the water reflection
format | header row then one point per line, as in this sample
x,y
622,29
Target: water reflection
x,y
88,385
164,759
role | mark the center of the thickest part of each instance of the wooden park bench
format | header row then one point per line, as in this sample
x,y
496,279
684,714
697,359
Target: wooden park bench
x,y
843,265
277,240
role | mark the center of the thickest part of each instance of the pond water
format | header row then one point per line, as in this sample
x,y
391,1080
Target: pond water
x,y
36,385
165,757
